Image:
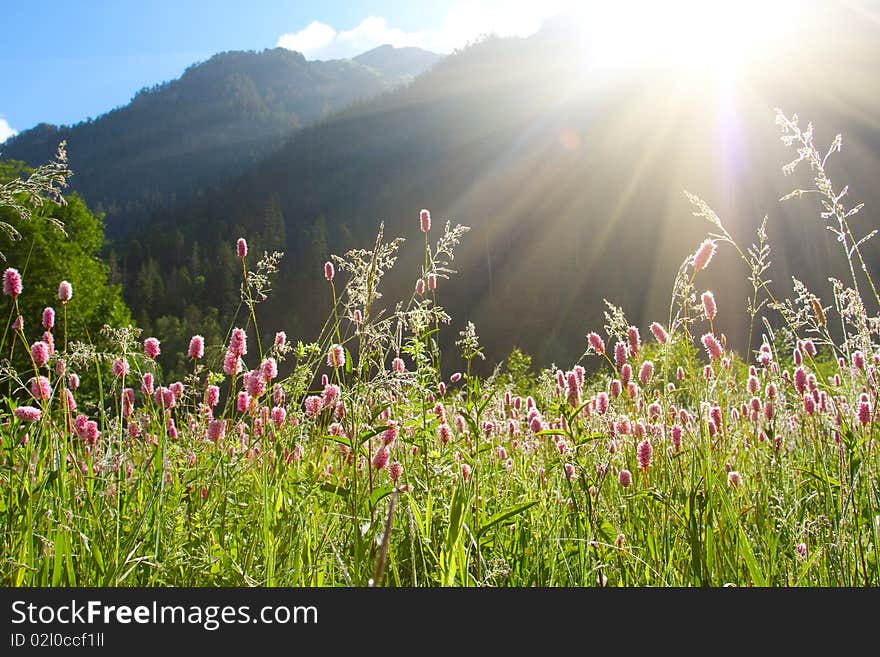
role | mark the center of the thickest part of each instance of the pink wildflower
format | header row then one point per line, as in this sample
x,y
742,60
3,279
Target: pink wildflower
x,y
127,402
800,380
120,367
48,318
619,354
280,340
41,389
709,307
395,471
646,372
11,282
216,430
28,414
241,248
703,255
269,368
398,366
712,346
336,356
634,340
313,405
65,291
380,458
329,271
151,348
659,333
615,388
238,342
231,363
858,359
864,413
425,220
40,353
596,343
196,347
212,396
644,453
624,477
279,415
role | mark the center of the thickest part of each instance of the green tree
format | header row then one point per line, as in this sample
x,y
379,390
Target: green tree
x,y
45,255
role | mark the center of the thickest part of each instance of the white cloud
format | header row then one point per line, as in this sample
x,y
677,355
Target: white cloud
x,y
312,38
464,22
6,131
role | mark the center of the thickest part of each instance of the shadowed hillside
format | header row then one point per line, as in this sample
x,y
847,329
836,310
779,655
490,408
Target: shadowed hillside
x,y
572,182
179,139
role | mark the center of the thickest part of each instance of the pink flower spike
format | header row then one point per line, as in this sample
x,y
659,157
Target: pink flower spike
x,y
280,340
712,346
659,333
216,430
644,453
634,340
425,221
241,249
151,348
596,343
41,389
380,458
212,396
65,291
12,282
48,318
120,367
709,307
196,347
336,356
703,255
238,342
28,414
329,271
40,353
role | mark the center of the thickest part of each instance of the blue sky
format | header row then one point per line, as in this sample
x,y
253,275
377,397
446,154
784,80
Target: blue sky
x,y
64,61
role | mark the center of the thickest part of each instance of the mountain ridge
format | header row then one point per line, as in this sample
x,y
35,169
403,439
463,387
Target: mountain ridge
x,y
182,137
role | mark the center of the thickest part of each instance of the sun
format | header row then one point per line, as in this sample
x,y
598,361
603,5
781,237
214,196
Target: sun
x,y
702,37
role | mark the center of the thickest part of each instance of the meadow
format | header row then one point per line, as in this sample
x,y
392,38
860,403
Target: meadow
x,y
657,457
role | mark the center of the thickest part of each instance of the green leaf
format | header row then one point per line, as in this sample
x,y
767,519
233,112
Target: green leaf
x,y
501,516
380,493
337,490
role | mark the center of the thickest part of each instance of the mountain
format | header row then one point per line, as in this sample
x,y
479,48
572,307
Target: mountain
x,y
181,138
399,63
571,180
